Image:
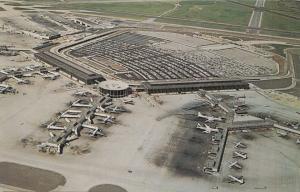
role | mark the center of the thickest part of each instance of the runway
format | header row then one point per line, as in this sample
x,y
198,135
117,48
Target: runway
x,y
256,17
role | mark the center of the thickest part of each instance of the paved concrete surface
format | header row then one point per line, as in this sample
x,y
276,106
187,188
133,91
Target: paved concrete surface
x,y
256,17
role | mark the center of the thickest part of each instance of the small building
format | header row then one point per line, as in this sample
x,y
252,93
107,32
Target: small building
x,y
114,89
74,70
190,86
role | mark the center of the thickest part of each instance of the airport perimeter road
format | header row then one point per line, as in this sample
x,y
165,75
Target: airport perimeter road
x,y
256,17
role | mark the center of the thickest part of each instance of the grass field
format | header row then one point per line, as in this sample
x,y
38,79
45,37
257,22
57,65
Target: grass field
x,y
288,7
278,49
280,22
193,12
201,24
201,10
142,8
274,21
215,11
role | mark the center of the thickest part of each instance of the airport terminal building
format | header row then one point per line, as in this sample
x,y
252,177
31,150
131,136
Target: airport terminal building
x,y
115,89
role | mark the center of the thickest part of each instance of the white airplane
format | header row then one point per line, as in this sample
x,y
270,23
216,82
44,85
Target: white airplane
x,y
28,68
53,126
21,81
4,72
82,93
50,146
54,147
94,131
240,145
235,164
10,70
234,179
28,75
210,118
240,154
115,109
106,118
73,111
51,75
31,67
212,154
78,104
102,109
282,133
4,85
208,170
103,115
108,103
71,114
6,88
206,129
52,135
55,74
128,101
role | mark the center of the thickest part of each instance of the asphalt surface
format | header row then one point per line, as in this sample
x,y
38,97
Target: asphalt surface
x,y
295,90
256,17
274,83
29,178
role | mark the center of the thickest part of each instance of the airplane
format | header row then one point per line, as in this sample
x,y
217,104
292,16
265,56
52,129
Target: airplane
x,y
212,154
21,81
32,67
52,135
128,101
240,145
209,118
115,109
9,70
71,114
106,118
235,164
6,88
234,179
206,129
282,133
55,74
52,126
208,170
240,154
102,109
4,72
108,103
52,147
82,93
298,141
70,111
28,75
28,68
78,104
51,76
67,120
94,131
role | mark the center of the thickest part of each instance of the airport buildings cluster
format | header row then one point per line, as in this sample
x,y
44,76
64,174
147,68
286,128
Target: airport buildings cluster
x,y
143,106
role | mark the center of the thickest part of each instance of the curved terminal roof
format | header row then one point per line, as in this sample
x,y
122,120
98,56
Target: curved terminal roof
x,y
113,85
